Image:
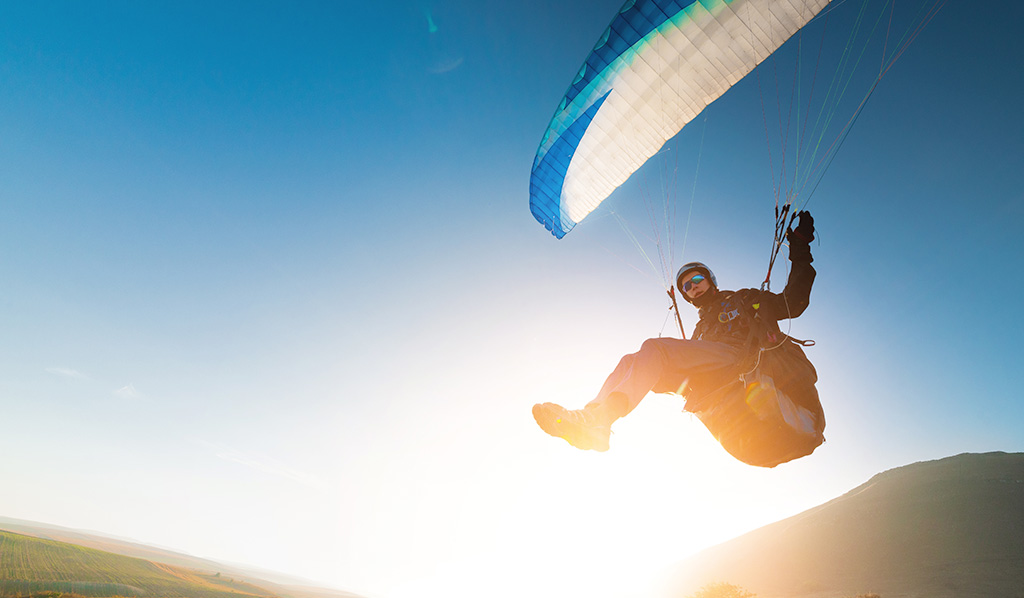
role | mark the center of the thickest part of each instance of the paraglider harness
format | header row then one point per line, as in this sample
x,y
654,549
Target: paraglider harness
x,y
765,409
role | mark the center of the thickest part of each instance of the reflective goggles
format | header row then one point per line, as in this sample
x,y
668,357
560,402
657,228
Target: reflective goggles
x,y
689,284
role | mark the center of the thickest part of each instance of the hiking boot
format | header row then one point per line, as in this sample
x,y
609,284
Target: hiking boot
x,y
581,428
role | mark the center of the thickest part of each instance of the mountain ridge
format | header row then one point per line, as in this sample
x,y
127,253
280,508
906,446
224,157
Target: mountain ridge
x,y
951,527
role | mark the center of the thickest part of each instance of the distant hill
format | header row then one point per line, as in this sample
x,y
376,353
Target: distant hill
x,y
29,565
235,579
952,528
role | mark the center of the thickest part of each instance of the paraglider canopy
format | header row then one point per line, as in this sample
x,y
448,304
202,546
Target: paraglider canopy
x,y
655,68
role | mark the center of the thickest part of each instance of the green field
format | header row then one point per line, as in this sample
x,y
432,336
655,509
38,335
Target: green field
x,y
31,566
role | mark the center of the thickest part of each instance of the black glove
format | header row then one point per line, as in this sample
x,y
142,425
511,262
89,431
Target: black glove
x,y
804,232
800,239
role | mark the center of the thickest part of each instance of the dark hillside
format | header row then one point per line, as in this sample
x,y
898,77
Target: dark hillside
x,y
952,528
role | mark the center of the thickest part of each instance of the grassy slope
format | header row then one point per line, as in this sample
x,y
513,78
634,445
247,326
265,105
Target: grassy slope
x,y
277,583
30,565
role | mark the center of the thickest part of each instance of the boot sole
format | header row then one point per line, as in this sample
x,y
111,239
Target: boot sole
x,y
547,418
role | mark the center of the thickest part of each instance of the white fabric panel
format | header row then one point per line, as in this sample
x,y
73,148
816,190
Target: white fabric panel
x,y
676,72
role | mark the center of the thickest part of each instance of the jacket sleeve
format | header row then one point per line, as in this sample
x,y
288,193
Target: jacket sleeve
x,y
795,298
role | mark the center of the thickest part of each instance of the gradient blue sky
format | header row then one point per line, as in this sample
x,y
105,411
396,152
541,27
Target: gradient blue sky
x,y
272,294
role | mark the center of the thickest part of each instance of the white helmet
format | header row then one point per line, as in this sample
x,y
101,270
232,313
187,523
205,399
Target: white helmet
x,y
687,268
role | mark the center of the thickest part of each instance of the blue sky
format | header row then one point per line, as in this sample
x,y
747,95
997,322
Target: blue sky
x,y
272,292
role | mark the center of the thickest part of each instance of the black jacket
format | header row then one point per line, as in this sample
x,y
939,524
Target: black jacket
x,y
729,316
749,319
726,401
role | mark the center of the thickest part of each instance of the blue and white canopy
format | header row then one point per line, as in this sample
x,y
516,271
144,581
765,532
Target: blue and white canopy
x,y
657,66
